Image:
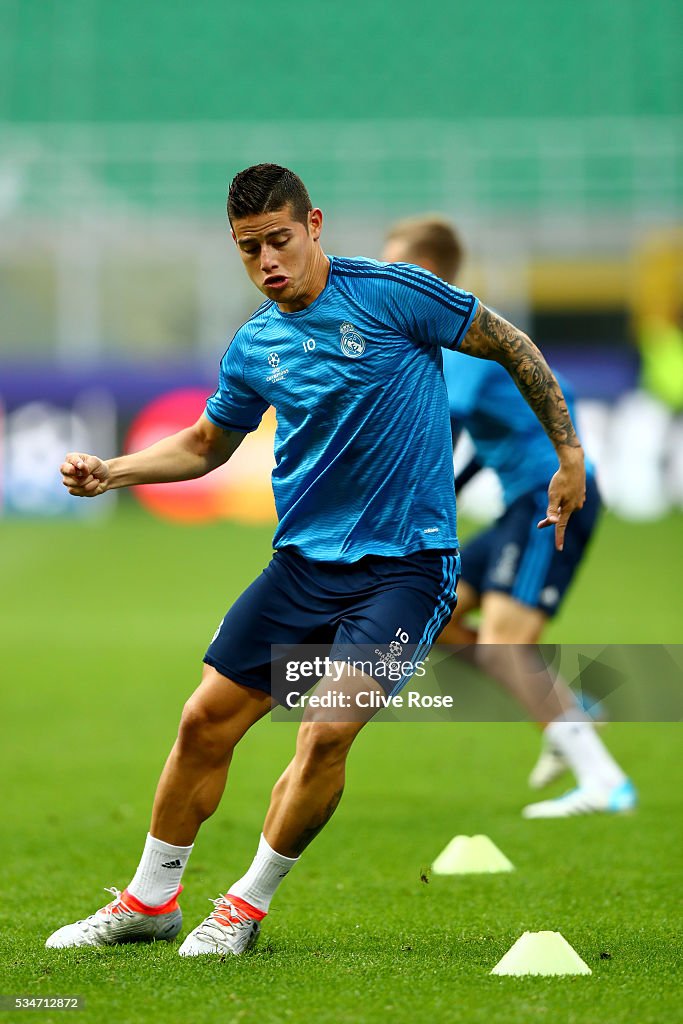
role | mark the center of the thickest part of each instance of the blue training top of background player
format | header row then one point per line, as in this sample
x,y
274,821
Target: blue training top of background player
x,y
507,437
363,444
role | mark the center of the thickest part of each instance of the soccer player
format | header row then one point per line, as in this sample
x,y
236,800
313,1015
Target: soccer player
x,y
349,353
512,571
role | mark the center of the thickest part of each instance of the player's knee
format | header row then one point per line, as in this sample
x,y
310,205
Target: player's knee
x,y
200,734
322,744
505,620
491,656
514,631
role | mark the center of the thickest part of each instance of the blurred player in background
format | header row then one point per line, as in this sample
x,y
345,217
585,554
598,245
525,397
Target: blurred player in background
x,y
512,570
348,352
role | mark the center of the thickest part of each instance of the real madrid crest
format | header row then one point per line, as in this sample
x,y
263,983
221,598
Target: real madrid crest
x,y
352,343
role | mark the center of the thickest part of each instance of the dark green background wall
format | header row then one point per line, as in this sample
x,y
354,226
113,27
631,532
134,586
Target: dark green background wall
x,y
162,60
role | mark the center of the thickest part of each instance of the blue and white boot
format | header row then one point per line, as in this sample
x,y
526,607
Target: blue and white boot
x,y
617,800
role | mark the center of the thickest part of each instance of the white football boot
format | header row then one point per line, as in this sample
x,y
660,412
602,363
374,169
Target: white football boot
x,y
232,927
125,919
551,765
617,800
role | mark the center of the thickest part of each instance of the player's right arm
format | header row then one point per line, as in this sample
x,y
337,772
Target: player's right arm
x,y
189,454
232,411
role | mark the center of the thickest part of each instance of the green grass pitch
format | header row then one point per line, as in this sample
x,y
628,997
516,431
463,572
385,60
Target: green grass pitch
x,y
102,630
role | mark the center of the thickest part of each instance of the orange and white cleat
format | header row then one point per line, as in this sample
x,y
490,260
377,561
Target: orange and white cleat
x,y
125,919
232,927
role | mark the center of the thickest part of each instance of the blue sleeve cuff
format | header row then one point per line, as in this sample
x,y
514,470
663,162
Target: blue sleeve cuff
x,y
225,425
457,341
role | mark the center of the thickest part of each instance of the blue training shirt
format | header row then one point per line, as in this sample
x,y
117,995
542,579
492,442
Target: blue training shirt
x,y
508,438
363,444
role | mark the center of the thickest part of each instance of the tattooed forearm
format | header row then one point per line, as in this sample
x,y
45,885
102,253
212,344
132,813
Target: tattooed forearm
x,y
308,834
491,337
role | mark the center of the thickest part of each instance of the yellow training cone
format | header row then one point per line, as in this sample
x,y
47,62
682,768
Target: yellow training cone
x,y
468,855
541,953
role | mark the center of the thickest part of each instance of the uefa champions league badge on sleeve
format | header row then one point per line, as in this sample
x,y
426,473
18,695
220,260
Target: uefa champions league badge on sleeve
x,y
352,342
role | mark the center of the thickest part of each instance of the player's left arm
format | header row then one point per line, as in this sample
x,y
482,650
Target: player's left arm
x,y
491,337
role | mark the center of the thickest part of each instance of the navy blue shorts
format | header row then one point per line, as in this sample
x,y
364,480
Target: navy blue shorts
x,y
515,557
384,610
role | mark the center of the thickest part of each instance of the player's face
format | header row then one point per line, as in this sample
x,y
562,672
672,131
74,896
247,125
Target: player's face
x,y
282,256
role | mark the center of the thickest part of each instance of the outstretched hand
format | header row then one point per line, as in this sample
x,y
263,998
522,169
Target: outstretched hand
x,y
85,476
566,494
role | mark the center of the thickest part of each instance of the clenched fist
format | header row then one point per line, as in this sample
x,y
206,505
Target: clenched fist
x,y
86,476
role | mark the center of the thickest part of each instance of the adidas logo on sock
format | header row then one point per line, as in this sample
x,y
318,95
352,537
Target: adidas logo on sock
x,y
172,864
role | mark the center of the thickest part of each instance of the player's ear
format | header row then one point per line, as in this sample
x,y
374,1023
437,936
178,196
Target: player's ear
x,y
315,223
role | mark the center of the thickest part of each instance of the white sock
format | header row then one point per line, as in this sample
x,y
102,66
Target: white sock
x,y
267,870
159,872
584,751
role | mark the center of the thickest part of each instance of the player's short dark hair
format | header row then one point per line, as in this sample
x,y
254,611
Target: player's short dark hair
x,y
265,188
432,237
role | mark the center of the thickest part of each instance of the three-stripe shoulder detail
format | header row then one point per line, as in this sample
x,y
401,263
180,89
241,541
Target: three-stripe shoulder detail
x,y
433,289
